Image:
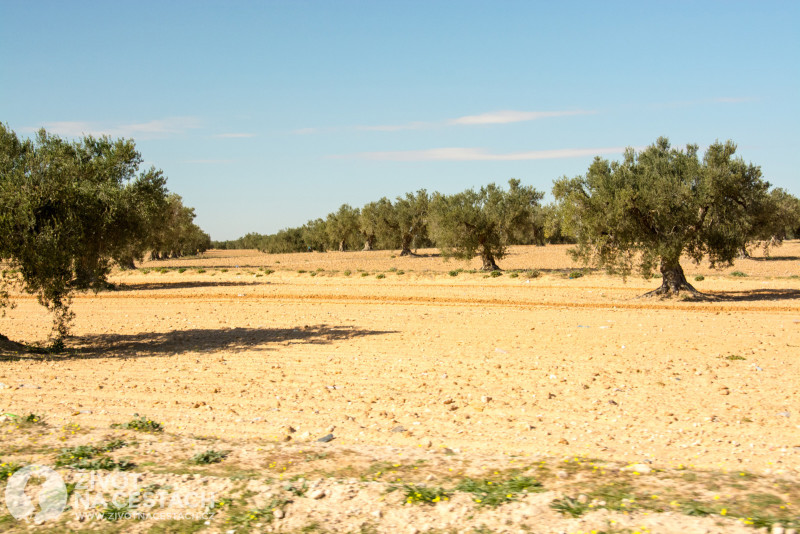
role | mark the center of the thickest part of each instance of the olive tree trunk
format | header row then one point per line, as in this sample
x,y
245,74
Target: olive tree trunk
x,y
406,246
368,243
673,281
488,261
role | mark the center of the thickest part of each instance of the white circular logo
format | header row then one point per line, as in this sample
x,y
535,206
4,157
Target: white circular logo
x,y
52,494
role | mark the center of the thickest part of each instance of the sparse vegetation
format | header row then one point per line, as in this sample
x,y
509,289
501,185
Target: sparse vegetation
x,y
141,424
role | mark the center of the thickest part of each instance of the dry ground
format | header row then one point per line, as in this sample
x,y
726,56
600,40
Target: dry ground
x,y
395,355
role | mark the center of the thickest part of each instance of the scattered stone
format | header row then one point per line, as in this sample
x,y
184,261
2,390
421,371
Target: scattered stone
x,y
278,513
316,494
326,439
563,441
29,386
485,398
613,403
399,428
257,419
287,437
305,435
3,386
377,514
562,474
583,498
290,429
784,414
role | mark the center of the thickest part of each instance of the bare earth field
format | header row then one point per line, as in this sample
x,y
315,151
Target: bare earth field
x,y
427,376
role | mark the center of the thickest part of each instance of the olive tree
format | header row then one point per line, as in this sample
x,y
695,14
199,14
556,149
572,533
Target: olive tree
x,y
484,222
342,226
657,205
68,208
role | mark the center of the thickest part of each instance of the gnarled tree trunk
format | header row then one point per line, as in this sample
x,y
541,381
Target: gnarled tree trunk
x,y
406,246
341,246
488,261
368,243
673,281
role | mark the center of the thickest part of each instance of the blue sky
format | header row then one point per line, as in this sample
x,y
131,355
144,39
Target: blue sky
x,y
266,114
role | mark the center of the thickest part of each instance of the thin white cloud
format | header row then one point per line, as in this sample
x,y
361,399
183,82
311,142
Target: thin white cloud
x,y
158,128
479,154
493,117
509,116
235,135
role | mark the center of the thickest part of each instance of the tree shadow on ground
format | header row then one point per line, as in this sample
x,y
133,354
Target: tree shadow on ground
x,y
774,258
148,286
155,344
753,295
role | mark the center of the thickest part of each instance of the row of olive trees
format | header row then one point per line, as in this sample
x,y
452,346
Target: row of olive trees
x,y
421,220
644,212
69,210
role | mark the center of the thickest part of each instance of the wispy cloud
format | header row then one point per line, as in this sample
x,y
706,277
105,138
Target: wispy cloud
x,y
233,135
492,117
479,154
158,128
509,116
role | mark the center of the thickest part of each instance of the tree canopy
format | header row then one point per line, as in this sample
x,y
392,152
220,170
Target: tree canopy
x,y
68,209
661,203
484,222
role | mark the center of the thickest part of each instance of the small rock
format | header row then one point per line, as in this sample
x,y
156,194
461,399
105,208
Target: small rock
x,y
485,398
562,474
784,414
316,494
563,441
287,437
29,386
326,439
257,419
613,403
305,435
399,428
3,386
279,514
583,498
290,429
377,514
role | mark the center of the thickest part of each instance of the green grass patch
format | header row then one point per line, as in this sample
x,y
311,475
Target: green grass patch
x,y
739,274
421,494
496,492
140,424
209,457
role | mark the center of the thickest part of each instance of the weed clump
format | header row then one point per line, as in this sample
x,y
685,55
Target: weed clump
x,y
141,424
209,457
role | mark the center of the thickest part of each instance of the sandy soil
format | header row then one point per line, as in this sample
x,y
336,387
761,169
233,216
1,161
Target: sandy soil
x,y
548,366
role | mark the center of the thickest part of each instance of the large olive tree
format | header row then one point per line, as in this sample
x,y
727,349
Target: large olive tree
x,y
484,222
656,205
67,210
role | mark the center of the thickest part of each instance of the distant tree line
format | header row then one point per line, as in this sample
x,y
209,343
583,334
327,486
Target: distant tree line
x,y
70,210
644,212
420,220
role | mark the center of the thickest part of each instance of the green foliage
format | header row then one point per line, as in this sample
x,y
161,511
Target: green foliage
x,y
421,494
7,469
569,506
483,222
380,276
699,278
654,206
86,457
347,272
532,273
739,274
116,512
495,274
68,209
575,274
209,457
342,227
497,492
141,424
453,273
